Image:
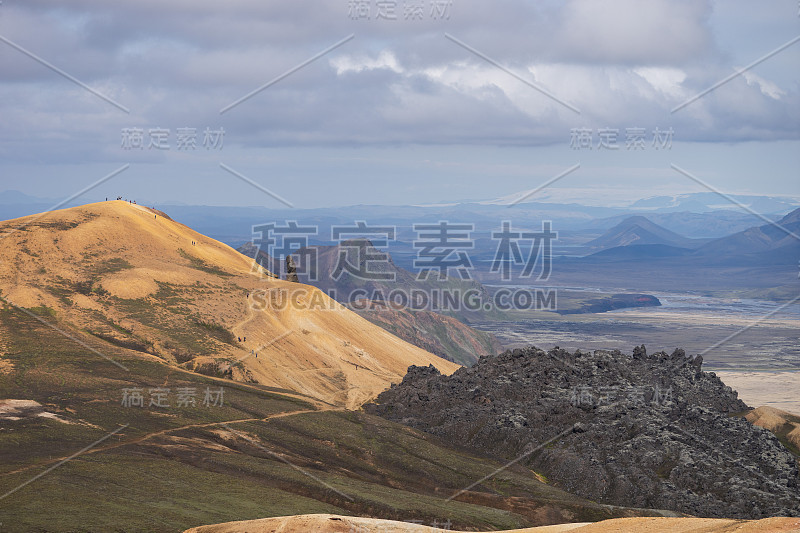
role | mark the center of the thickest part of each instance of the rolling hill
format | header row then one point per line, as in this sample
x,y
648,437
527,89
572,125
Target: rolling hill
x,y
771,240
129,276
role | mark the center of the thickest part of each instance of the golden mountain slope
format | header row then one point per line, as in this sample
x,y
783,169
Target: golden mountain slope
x,y
321,523
126,274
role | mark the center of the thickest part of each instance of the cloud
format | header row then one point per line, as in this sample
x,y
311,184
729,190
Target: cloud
x,y
623,63
384,60
666,81
767,87
650,32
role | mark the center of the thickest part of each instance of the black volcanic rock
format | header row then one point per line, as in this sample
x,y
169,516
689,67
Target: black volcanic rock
x,y
639,430
291,270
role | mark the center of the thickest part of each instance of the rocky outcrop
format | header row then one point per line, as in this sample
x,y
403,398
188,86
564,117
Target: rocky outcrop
x,y
291,270
637,430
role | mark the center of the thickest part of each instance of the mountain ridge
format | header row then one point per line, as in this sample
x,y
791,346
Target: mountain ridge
x,y
130,276
766,238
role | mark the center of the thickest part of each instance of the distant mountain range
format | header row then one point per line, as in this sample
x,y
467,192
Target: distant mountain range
x,y
702,202
639,238
699,202
695,215
720,223
775,240
676,257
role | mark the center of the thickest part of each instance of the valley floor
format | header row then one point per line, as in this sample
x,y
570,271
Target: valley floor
x,y
774,389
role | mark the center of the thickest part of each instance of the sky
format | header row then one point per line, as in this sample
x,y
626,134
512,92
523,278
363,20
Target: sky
x,y
343,102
